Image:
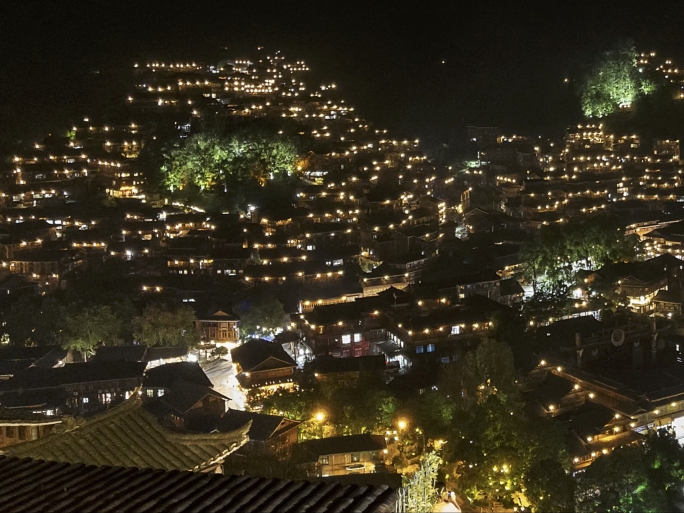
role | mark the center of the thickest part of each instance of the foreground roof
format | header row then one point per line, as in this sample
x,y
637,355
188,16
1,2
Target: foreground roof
x,y
37,486
130,436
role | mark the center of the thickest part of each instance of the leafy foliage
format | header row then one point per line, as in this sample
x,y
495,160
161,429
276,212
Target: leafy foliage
x,y
361,407
419,493
259,315
485,371
85,330
497,448
634,478
554,256
488,370
159,326
614,82
549,488
34,321
209,161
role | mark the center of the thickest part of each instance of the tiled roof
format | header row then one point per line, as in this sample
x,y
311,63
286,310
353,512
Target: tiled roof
x,y
130,436
73,373
120,353
163,353
312,449
252,354
263,426
510,287
220,315
183,395
165,375
40,486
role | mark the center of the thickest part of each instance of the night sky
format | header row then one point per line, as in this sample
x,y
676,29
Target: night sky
x,y
426,71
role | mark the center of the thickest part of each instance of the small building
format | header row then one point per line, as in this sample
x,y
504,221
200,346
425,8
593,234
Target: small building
x,y
341,330
188,406
263,364
87,388
159,381
273,432
346,370
511,292
668,302
342,455
219,328
17,427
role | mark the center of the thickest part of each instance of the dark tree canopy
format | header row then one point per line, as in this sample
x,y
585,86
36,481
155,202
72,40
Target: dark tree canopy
x,y
159,326
259,315
85,330
34,320
559,250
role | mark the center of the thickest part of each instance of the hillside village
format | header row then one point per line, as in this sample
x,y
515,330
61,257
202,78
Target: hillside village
x,y
235,272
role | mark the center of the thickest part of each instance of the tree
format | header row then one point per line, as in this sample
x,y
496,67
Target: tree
x,y
85,330
488,370
34,320
614,82
419,493
159,326
434,412
211,162
259,315
201,160
635,478
362,407
553,256
495,447
259,155
549,488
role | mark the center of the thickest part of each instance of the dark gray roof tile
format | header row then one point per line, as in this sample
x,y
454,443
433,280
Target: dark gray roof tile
x,y
40,486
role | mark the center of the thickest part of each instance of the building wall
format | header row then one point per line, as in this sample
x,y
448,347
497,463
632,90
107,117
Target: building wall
x,y
11,434
223,332
337,464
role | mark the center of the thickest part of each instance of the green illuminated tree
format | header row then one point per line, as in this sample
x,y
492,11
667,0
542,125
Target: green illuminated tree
x,y
498,446
259,156
90,327
213,162
614,82
200,161
486,371
419,493
553,256
159,326
635,478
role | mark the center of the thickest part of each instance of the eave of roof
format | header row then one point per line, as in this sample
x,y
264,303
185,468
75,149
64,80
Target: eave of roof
x,y
130,436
